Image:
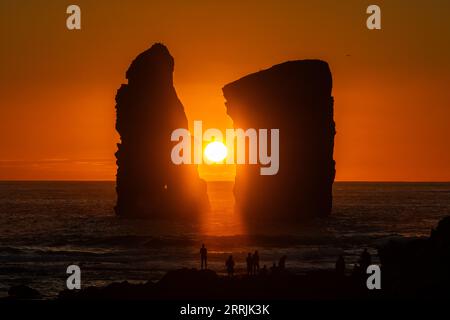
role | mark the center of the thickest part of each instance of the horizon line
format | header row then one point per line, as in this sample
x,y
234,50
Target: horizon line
x,y
225,180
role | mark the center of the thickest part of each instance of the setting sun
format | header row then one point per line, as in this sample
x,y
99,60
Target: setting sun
x,y
215,151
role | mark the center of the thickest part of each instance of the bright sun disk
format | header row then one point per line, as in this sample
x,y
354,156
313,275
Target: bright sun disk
x,y
215,151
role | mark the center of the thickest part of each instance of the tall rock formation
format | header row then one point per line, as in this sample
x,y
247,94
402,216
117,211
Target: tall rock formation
x,y
148,110
294,97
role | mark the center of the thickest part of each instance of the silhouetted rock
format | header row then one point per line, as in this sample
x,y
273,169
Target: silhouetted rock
x,y
148,110
195,284
22,292
294,97
114,291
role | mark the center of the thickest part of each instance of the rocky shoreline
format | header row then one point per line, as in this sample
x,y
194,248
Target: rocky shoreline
x,y
417,268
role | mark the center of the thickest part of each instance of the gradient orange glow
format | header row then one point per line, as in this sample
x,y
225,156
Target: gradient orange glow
x,y
57,87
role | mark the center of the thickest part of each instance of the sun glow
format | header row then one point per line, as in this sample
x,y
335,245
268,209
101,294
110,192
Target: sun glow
x,y
216,151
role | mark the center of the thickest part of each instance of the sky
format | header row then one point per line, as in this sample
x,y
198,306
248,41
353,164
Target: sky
x,y
57,87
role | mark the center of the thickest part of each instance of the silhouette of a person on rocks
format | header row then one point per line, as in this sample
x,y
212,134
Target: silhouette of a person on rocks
x,y
249,264
263,271
273,268
255,262
340,266
365,260
282,263
230,266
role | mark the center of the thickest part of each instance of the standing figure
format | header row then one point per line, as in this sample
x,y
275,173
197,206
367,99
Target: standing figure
x,y
203,257
282,263
365,260
249,264
340,266
255,262
263,271
274,268
230,266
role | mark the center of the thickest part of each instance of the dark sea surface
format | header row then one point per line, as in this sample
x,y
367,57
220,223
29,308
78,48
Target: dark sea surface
x,y
46,226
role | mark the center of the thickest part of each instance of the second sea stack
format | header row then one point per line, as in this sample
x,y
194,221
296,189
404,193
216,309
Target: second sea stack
x,y
294,97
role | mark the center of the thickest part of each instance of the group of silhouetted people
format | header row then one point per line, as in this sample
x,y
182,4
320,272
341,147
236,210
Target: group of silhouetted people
x,y
252,263
252,260
280,267
253,268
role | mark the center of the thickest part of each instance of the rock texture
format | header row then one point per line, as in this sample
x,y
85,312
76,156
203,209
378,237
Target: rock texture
x,y
294,97
148,110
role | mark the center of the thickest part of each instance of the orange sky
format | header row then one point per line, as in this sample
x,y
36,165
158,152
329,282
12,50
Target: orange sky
x,y
57,87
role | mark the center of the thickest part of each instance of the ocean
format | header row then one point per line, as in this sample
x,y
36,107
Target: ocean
x,y
46,226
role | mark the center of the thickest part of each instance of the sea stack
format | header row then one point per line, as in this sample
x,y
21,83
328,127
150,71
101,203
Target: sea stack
x,y
148,184
294,97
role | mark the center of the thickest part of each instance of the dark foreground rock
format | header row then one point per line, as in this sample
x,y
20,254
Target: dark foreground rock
x,y
418,268
22,292
185,284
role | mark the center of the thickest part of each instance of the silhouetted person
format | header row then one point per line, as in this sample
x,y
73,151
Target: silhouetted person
x,y
273,268
255,262
249,264
203,256
263,271
357,271
365,260
340,266
282,263
230,266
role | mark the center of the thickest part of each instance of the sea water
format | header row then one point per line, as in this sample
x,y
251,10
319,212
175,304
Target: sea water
x,y
46,226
